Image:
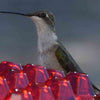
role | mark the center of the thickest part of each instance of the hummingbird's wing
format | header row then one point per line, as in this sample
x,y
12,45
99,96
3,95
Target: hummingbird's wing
x,y
66,60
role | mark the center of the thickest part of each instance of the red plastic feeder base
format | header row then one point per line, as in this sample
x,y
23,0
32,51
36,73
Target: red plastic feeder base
x,y
34,82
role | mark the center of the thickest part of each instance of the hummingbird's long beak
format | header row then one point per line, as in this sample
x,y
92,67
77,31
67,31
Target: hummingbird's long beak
x,y
5,12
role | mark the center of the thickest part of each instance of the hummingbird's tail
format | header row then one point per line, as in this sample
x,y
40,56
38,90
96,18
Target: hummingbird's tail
x,y
96,90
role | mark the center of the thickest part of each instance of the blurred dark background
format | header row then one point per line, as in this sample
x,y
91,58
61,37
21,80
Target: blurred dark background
x,y
77,26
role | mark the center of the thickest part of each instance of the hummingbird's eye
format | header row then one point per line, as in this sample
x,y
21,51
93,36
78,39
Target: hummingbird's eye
x,y
43,15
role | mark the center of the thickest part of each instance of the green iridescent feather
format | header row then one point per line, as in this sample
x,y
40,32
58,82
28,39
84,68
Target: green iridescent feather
x,y
68,63
66,60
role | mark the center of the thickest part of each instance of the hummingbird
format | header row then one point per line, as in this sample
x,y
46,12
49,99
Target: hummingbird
x,y
51,52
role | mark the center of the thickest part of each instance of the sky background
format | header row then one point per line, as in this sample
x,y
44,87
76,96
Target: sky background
x,y
77,26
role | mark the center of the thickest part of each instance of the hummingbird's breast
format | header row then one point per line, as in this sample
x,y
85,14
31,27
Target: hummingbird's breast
x,y
49,60
47,45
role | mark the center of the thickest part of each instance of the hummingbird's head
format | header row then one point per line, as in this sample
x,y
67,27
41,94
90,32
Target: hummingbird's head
x,y
48,17
43,19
